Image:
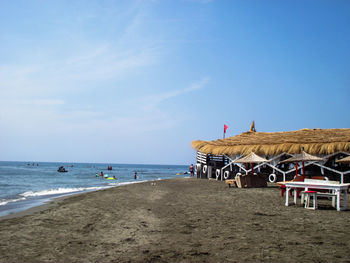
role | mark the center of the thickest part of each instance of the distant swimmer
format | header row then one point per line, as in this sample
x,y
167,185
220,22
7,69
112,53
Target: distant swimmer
x,y
135,175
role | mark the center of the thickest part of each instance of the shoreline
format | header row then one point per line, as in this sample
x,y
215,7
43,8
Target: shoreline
x,y
176,220
35,209
20,207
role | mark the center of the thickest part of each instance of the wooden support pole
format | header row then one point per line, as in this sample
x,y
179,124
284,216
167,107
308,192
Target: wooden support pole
x,y
303,169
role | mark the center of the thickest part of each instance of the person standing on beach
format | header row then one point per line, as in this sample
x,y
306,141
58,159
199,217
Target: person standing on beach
x,y
191,170
135,175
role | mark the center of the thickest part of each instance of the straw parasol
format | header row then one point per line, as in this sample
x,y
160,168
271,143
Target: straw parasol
x,y
251,158
344,160
302,157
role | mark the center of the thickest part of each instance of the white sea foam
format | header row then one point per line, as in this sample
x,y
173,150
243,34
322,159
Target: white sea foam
x,y
6,201
125,183
60,191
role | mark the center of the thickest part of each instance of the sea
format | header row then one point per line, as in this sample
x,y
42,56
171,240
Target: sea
x,y
24,185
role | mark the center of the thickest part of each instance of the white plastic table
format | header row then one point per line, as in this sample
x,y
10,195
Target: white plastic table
x,y
336,188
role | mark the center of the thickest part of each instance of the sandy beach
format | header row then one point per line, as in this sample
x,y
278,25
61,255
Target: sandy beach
x,y
177,220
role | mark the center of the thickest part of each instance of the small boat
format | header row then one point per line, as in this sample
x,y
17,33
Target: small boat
x,y
61,169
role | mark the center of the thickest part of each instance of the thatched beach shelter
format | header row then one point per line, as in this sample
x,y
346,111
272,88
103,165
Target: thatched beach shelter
x,y
313,141
319,142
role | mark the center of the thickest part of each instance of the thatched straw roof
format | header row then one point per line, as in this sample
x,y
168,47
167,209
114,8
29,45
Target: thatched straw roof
x,y
251,158
302,157
344,160
313,141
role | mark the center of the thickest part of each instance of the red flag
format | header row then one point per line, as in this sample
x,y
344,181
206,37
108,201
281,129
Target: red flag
x,y
225,128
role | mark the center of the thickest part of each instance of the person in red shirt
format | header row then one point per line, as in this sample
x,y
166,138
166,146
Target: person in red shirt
x,y
191,170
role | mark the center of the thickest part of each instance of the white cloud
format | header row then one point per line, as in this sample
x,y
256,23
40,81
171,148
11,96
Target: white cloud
x,y
43,96
53,70
199,85
98,63
153,100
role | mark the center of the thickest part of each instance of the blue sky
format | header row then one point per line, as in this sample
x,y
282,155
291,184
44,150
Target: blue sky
x,y
137,81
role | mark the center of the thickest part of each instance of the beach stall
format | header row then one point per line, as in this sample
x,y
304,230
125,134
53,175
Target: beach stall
x,y
328,144
207,165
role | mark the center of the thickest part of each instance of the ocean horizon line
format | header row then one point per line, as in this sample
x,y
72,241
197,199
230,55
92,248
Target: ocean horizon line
x,y
98,163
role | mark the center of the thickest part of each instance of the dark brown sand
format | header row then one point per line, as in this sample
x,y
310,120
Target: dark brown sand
x,y
179,220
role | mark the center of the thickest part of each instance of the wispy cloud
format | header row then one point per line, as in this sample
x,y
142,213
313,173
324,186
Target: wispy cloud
x,y
83,61
153,100
97,64
88,89
199,85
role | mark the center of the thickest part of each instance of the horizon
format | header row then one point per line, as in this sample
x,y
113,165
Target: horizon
x,y
64,162
138,81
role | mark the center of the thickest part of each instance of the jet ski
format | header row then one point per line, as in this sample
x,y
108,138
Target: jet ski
x,y
61,169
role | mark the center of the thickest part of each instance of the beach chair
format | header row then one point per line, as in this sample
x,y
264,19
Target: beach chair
x,y
298,178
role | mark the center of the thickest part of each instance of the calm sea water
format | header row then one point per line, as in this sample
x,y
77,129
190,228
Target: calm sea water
x,y
25,185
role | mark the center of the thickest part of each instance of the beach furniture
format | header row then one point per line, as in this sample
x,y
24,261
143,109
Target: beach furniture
x,y
335,190
298,178
250,181
308,195
321,192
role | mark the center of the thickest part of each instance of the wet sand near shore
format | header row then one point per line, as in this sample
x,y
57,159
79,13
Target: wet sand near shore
x,y
177,220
